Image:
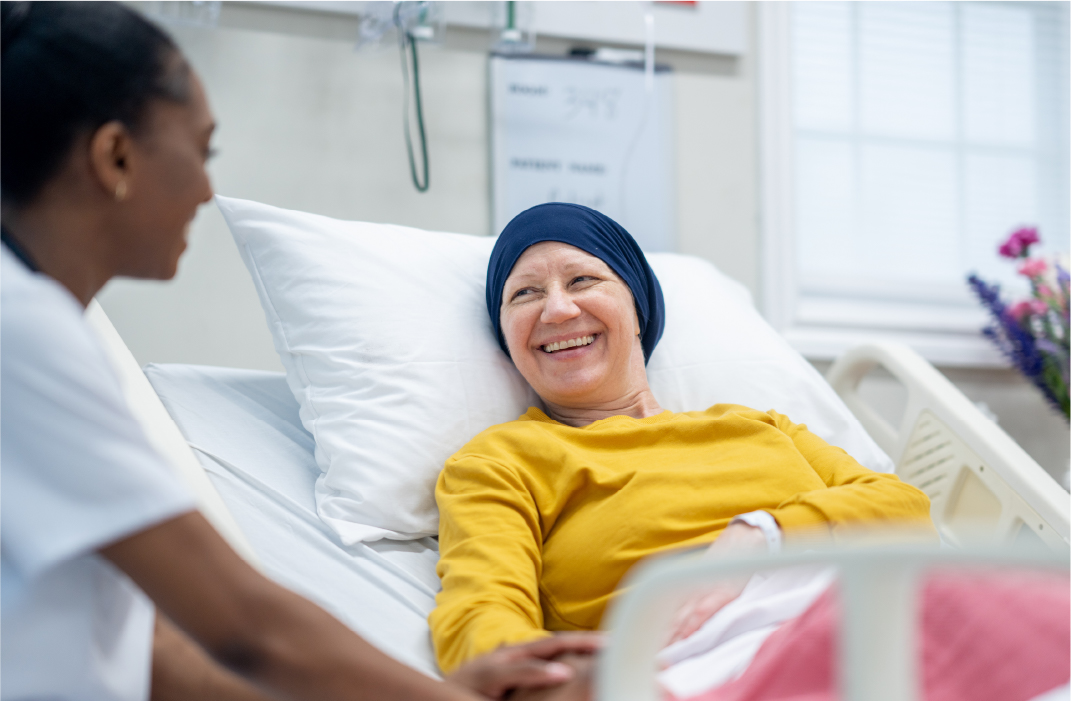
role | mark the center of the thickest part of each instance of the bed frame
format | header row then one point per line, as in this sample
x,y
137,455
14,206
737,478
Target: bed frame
x,y
876,642
982,485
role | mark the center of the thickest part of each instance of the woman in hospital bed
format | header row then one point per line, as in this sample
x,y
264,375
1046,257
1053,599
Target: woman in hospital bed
x,y
541,517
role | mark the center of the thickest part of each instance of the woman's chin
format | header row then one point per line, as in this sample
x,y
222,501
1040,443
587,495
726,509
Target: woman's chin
x,y
577,392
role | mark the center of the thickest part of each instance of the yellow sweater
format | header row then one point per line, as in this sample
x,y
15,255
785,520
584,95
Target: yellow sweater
x,y
539,520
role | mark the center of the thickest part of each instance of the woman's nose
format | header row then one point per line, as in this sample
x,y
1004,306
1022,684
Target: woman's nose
x,y
559,307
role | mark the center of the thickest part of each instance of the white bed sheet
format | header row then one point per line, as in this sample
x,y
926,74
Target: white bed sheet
x,y
244,428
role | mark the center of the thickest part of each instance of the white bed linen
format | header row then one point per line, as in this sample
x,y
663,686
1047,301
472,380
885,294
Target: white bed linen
x,y
245,429
724,646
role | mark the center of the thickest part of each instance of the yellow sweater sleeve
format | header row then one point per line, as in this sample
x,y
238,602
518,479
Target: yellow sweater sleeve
x,y
487,515
854,495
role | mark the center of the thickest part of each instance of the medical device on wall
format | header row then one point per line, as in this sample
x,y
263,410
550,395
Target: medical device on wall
x,y
511,27
569,129
414,22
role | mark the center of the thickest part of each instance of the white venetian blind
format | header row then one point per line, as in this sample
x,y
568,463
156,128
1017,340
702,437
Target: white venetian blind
x,y
924,133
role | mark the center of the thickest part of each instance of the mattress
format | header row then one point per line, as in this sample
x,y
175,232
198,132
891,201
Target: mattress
x,y
243,425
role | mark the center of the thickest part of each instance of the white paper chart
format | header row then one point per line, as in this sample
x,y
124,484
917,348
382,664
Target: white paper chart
x,y
573,130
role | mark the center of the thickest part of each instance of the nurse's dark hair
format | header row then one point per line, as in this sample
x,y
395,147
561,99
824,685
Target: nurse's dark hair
x,y
67,69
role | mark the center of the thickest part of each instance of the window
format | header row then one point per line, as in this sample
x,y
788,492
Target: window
x,y
901,142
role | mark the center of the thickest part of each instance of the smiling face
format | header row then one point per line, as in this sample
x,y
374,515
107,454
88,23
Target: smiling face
x,y
571,327
167,183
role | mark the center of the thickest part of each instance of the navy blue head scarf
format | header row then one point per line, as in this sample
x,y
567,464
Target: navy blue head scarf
x,y
593,233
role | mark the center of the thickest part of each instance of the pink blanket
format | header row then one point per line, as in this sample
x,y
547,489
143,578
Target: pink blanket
x,y
983,638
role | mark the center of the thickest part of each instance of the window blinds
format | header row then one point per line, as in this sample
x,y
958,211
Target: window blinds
x,y
924,132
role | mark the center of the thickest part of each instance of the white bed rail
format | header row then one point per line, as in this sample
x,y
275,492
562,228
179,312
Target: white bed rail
x,y
877,637
979,480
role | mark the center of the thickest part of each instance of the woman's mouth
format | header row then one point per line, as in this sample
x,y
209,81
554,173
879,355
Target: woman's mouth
x,y
571,343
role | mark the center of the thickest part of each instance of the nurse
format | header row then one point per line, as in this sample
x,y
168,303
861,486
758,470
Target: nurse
x,y
105,133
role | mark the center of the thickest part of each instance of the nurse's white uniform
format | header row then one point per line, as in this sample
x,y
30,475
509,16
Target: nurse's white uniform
x,y
76,473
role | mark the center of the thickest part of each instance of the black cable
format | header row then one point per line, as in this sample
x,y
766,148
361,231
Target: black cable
x,y
406,38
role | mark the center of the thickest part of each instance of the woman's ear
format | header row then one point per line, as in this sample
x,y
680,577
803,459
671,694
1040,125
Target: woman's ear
x,y
110,153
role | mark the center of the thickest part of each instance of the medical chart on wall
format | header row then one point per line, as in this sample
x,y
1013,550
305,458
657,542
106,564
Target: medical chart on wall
x,y
574,130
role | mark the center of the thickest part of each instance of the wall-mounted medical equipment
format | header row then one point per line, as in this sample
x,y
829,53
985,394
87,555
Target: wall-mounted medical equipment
x,y
706,27
413,22
567,129
511,27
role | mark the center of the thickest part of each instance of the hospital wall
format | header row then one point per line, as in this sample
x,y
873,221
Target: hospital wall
x,y
308,122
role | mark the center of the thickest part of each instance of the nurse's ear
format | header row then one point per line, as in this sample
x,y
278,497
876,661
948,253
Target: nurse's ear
x,y
110,160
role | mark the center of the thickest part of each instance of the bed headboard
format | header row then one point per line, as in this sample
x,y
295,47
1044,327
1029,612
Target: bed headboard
x,y
164,434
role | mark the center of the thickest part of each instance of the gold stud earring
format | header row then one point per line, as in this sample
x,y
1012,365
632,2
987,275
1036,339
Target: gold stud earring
x,y
120,191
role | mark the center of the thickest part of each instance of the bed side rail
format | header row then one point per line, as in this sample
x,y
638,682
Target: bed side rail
x,y
164,434
979,480
877,646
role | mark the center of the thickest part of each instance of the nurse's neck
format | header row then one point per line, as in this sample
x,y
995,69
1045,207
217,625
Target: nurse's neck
x,y
65,232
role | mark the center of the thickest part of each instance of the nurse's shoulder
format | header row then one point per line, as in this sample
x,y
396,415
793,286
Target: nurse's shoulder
x,y
38,314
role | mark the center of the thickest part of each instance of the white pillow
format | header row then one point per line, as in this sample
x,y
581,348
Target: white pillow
x,y
384,335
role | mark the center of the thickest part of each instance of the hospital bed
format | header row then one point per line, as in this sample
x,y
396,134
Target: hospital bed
x,y
236,438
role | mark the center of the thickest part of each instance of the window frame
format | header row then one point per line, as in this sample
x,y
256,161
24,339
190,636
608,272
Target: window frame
x,y
823,326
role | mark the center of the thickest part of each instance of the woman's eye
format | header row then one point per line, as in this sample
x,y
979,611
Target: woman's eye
x,y
520,293
582,278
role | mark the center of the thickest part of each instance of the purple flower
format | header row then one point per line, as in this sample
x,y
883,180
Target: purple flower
x,y
1019,243
1034,357
1033,334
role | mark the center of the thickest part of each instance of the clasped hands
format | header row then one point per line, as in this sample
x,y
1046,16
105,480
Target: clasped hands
x,y
561,662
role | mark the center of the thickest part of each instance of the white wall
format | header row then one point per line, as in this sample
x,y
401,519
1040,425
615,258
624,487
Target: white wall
x,y
307,122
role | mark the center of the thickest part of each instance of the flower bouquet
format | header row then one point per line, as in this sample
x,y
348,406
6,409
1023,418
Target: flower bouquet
x,y
1032,333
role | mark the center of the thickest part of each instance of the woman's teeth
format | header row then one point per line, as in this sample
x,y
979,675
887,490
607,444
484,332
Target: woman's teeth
x,y
571,343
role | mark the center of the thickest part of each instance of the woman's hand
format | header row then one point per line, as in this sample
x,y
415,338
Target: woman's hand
x,y
736,538
528,666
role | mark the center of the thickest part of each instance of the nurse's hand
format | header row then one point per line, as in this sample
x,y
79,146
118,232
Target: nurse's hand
x,y
737,538
579,688
526,666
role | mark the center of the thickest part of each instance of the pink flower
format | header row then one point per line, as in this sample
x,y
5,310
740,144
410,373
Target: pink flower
x,y
1020,310
1039,307
1019,243
1045,291
1033,267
